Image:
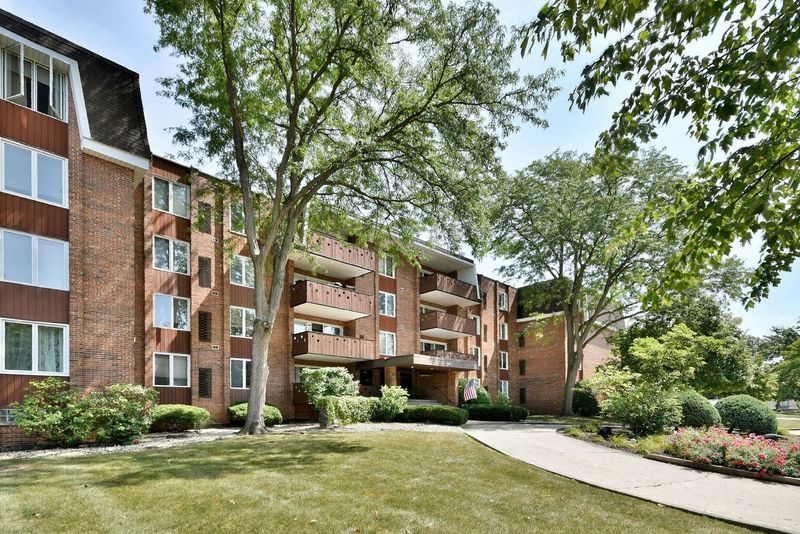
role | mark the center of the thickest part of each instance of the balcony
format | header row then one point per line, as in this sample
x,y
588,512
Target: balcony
x,y
329,348
447,291
330,302
443,325
433,360
332,257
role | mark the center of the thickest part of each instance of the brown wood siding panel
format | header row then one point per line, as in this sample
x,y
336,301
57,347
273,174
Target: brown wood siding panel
x,y
239,395
330,247
26,215
34,303
328,345
168,395
241,347
447,284
34,129
447,321
175,341
170,225
306,291
172,283
386,284
12,387
241,296
387,324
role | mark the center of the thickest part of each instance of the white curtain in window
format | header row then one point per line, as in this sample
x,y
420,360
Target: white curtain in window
x,y
180,371
51,349
162,315
161,369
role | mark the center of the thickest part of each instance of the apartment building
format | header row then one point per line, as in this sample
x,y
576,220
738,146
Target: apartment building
x,y
119,266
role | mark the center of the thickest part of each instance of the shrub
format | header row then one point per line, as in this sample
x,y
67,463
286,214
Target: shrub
x,y
393,400
747,414
502,400
652,444
644,409
584,401
51,410
238,414
120,412
489,412
441,415
483,395
327,382
697,411
178,418
348,410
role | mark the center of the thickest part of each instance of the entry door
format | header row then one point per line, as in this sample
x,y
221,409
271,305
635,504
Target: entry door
x,y
405,380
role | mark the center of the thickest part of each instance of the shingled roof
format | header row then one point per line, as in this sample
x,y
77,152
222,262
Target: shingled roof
x,y
111,91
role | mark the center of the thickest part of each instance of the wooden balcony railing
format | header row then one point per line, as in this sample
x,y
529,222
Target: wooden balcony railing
x,y
447,321
450,355
308,292
334,249
311,343
448,284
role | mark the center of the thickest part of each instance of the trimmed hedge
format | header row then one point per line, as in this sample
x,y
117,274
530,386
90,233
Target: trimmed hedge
x,y
697,411
747,414
496,412
178,418
348,410
584,401
440,415
272,415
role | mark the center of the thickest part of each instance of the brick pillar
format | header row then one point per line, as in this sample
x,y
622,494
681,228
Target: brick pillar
x,y
452,386
390,376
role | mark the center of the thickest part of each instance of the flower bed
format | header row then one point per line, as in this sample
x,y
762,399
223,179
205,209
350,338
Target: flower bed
x,y
753,453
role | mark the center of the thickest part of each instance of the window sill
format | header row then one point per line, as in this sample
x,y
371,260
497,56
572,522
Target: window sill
x,y
173,214
34,285
166,386
170,271
34,199
175,329
242,337
33,373
243,285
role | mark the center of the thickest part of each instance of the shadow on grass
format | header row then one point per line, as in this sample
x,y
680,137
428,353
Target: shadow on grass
x,y
206,461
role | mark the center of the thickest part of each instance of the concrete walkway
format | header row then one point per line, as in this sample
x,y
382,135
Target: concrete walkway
x,y
761,504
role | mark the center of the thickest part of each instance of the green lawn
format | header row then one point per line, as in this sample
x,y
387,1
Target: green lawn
x,y
791,422
342,482
564,420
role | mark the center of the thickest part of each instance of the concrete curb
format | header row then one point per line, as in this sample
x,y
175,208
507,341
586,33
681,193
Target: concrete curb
x,y
732,471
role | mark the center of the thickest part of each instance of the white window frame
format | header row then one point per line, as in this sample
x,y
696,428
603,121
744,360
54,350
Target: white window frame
x,y
34,174
475,351
503,387
383,261
502,331
172,186
172,369
477,319
172,242
230,218
502,300
34,348
61,110
383,312
307,325
424,308
432,341
503,360
244,361
172,312
35,239
244,322
393,337
241,266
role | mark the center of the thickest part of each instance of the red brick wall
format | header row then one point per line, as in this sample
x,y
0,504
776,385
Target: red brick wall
x,y
598,351
545,356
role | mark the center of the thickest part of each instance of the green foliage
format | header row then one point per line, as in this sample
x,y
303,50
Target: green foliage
x,y
788,372
496,412
666,362
502,400
348,410
646,410
440,415
393,400
656,444
584,401
611,379
238,414
482,398
697,410
120,412
729,69
327,382
747,414
53,411
178,418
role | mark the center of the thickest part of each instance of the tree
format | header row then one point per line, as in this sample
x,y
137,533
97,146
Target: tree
x,y
669,361
374,117
730,69
566,219
788,371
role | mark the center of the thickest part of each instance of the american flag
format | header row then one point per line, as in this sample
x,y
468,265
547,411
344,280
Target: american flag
x,y
470,391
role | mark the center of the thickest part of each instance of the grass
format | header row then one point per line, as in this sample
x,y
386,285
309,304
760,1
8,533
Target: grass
x,y
348,482
791,422
563,420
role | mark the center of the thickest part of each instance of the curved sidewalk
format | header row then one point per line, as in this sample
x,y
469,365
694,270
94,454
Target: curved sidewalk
x,y
760,504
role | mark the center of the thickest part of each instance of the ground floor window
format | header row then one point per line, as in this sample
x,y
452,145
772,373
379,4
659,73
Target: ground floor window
x,y
365,377
240,373
387,344
34,348
171,370
504,387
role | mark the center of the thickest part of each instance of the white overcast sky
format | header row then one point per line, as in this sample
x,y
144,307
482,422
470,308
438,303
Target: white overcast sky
x,y
121,31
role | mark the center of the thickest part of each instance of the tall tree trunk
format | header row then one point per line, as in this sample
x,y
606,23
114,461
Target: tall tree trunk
x,y
574,357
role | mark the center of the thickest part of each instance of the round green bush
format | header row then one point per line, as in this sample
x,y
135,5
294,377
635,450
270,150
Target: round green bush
x,y
440,415
178,418
747,414
584,402
496,412
697,411
272,415
644,409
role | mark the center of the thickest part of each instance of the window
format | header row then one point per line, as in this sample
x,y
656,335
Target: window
x,y
242,320
36,86
387,340
504,387
170,312
34,348
521,339
503,360
171,370
503,330
237,218
365,377
242,273
477,324
386,266
523,397
425,346
386,304
522,367
476,352
309,326
34,260
170,254
502,300
171,197
240,373
33,174
428,309
485,330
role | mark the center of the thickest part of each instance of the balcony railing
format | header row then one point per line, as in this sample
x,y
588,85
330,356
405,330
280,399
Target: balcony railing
x,y
447,291
330,302
450,355
326,347
334,258
446,325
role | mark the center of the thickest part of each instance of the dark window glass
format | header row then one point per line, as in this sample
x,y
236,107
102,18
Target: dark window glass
x,y
523,398
522,367
365,377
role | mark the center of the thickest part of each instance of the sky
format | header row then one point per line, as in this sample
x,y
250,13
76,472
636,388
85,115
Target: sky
x,y
122,32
